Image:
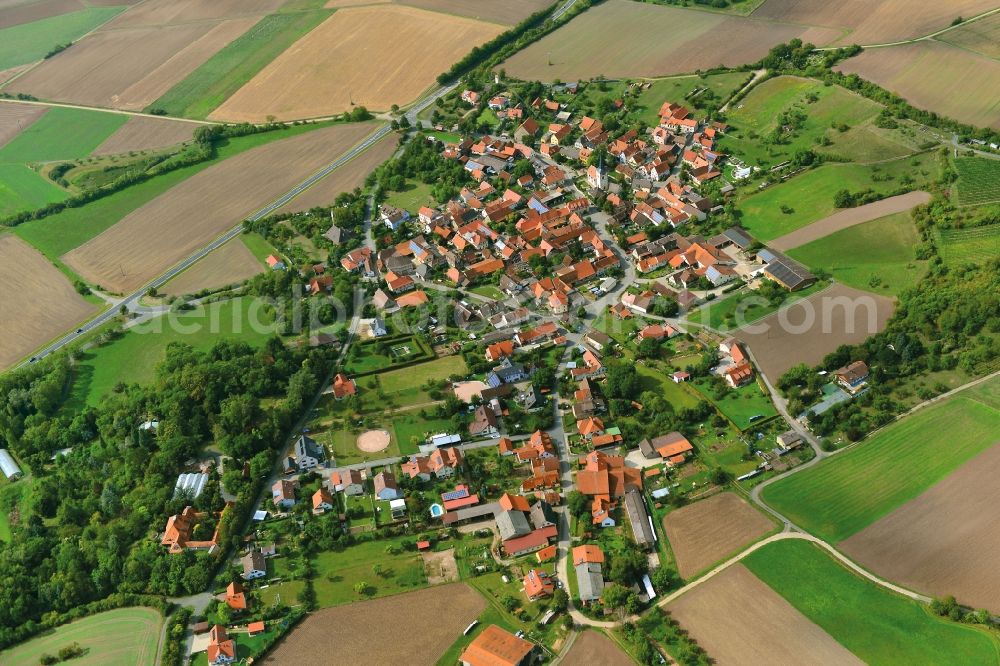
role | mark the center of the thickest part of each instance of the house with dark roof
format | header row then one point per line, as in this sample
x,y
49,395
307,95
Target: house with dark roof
x,y
309,453
638,518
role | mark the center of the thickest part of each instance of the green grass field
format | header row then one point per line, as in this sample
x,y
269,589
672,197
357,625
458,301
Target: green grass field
x,y
722,314
133,357
850,491
687,91
413,198
823,110
122,637
675,394
978,244
57,234
59,134
28,42
413,377
338,572
876,255
878,626
810,195
739,405
409,425
978,180
204,89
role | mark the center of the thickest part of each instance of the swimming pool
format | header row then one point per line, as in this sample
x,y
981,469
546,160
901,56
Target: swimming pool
x,y
437,510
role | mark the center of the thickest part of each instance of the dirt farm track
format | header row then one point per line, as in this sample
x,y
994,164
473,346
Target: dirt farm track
x,y
413,629
945,541
37,301
175,224
738,619
706,531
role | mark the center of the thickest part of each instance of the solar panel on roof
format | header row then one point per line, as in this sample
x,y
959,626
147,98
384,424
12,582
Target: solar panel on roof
x,y
455,494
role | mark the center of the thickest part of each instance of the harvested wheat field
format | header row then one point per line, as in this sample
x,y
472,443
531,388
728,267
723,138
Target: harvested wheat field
x,y
15,118
937,77
140,133
849,217
230,264
37,301
425,624
134,59
593,648
621,38
811,328
507,12
738,619
943,542
344,179
172,226
705,532
373,56
874,21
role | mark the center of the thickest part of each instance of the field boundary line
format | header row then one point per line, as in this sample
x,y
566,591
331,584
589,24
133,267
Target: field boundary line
x,y
101,109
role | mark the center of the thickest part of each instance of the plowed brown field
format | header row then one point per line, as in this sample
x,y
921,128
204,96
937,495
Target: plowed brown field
x,y
705,532
874,21
37,301
16,12
230,264
139,133
344,179
945,541
172,226
423,625
595,649
507,12
814,327
373,56
621,38
738,619
15,118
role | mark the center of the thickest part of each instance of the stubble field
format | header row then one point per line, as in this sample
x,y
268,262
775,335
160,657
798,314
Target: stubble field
x,y
172,226
705,532
621,38
373,56
981,36
738,619
815,327
936,77
424,624
134,59
874,21
37,300
945,541
230,264
140,133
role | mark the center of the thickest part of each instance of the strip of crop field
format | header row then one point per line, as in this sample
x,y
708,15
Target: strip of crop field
x,y
28,42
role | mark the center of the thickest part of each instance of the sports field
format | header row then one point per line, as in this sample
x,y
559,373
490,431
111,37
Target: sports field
x,y
373,56
978,180
38,302
133,357
28,42
978,244
121,637
878,626
852,490
935,76
808,197
208,86
876,255
620,38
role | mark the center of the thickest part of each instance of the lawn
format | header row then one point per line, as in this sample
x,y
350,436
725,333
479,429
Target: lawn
x,y
413,197
689,91
21,188
876,255
415,376
809,196
810,111
978,180
880,627
654,380
739,405
133,357
227,71
850,491
122,637
11,495
57,234
259,246
28,42
722,314
978,244
408,425
489,291
338,572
